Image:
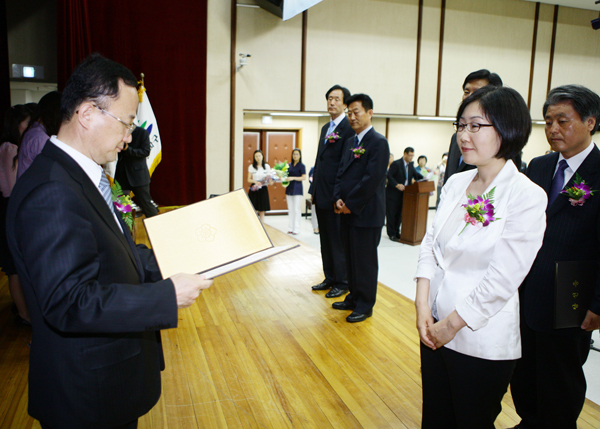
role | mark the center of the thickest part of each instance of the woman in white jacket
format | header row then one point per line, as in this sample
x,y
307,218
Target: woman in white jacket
x,y
485,235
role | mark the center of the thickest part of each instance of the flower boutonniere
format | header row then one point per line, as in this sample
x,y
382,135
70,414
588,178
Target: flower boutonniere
x,y
480,210
123,204
332,138
358,151
579,192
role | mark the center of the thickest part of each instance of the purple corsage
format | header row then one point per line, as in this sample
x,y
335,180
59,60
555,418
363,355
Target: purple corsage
x,y
480,210
579,192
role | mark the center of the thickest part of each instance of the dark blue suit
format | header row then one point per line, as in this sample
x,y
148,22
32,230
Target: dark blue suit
x,y
96,301
548,386
360,184
321,189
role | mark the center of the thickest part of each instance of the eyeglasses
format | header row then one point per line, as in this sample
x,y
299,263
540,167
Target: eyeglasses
x,y
472,127
130,127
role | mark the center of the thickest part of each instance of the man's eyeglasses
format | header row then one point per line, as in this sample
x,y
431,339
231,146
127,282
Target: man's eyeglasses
x,y
472,127
130,127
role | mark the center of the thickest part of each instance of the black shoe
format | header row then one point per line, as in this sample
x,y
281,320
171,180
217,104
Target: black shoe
x,y
322,286
335,292
394,238
358,317
20,321
343,305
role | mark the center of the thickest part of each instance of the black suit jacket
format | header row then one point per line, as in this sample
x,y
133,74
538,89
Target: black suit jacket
x,y
454,165
96,301
327,164
360,182
572,234
397,175
132,169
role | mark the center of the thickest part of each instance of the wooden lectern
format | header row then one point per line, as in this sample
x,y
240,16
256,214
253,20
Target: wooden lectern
x,y
415,206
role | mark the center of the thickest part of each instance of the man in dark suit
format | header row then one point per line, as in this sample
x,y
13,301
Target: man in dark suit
x,y
400,174
548,385
132,170
474,81
97,301
359,196
331,142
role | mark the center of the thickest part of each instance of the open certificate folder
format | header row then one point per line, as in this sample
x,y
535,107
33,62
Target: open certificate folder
x,y
212,237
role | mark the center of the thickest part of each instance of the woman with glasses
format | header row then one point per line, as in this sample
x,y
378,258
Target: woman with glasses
x,y
485,235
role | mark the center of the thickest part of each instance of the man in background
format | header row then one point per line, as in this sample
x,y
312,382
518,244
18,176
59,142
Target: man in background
x,y
329,153
97,301
132,170
474,81
401,174
548,385
359,196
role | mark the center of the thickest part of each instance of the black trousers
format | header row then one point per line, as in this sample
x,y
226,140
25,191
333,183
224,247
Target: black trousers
x,y
143,198
548,386
362,265
393,211
332,252
460,391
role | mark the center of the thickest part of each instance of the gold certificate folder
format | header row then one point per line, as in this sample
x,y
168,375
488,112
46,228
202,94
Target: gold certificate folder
x,y
210,234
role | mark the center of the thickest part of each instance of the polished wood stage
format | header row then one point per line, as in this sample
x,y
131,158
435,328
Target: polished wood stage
x,y
259,349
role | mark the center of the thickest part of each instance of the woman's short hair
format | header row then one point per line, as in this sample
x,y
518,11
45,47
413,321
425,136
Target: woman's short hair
x,y
422,156
584,101
507,112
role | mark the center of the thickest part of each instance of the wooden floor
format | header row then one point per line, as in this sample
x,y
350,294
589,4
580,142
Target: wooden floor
x,y
259,349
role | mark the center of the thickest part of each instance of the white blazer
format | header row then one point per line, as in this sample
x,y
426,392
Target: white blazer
x,y
481,269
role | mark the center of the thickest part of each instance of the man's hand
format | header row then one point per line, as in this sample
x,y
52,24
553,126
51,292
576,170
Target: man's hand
x,y
188,288
591,321
340,207
400,187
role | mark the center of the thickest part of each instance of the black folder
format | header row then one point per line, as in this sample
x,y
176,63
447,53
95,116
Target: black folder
x,y
573,293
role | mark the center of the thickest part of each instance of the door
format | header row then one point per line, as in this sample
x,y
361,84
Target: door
x,y
277,147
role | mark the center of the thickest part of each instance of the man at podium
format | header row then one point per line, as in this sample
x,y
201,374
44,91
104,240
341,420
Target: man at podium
x,y
401,174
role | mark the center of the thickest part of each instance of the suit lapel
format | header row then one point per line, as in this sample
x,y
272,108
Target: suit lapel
x,y
90,192
349,156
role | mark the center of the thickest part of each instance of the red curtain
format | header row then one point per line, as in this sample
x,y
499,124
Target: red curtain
x,y
167,41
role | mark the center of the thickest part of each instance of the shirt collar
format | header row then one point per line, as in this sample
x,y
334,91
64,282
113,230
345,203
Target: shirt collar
x,y
90,167
339,119
363,132
576,160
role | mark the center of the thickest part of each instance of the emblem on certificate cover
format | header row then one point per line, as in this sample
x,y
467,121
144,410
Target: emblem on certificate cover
x,y
206,233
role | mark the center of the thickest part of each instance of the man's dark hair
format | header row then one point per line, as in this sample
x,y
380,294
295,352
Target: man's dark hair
x,y
364,99
506,110
95,79
47,112
585,101
492,78
345,93
422,156
409,149
10,130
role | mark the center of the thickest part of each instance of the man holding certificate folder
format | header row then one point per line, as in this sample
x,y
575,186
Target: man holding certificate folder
x,y
97,301
548,385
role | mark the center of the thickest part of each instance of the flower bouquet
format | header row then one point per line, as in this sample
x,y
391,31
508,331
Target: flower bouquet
x,y
123,204
281,170
480,210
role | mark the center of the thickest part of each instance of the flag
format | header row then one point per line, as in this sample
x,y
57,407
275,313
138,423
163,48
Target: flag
x,y
147,121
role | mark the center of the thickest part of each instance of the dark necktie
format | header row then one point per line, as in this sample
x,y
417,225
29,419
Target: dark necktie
x,y
558,181
355,141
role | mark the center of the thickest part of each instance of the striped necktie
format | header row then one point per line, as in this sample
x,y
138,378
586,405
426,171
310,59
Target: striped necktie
x,y
558,182
105,190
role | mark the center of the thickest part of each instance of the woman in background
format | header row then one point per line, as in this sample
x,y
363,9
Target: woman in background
x,y
258,178
16,121
484,238
44,123
441,170
294,192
